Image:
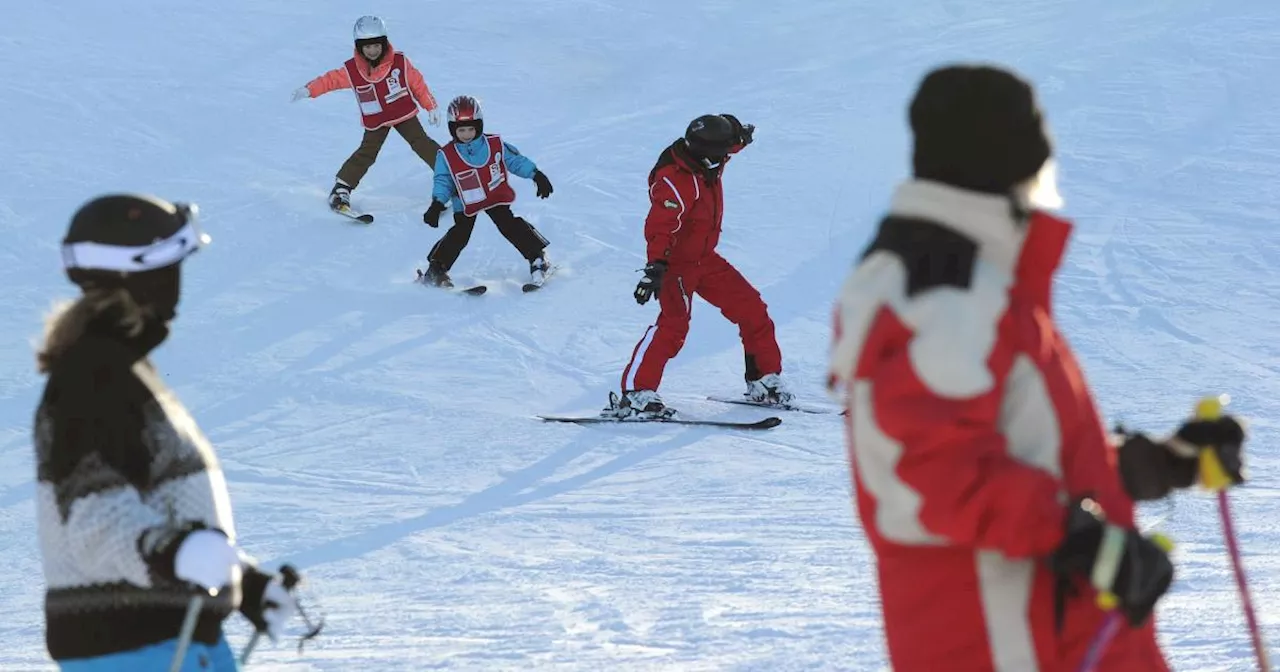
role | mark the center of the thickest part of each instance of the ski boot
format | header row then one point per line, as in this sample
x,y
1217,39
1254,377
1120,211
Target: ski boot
x,y
769,389
435,276
637,405
340,196
538,269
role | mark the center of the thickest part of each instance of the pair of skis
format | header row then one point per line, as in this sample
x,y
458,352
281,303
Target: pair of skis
x,y
366,218
765,423
531,286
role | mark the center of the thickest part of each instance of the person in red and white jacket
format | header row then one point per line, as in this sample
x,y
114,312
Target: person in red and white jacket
x,y
686,210
388,89
995,502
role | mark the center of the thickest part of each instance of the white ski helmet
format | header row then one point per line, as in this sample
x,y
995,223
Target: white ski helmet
x,y
370,28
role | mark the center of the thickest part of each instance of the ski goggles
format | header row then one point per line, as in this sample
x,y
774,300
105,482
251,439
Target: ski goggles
x,y
184,242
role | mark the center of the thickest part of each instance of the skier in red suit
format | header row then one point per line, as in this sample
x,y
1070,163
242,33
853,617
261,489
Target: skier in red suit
x,y
997,505
686,208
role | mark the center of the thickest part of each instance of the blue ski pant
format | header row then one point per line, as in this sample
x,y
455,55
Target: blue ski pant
x,y
158,658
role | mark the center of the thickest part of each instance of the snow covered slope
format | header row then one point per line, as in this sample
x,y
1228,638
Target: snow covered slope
x,y
379,434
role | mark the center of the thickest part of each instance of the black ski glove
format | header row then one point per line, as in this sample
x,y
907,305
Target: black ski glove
x,y
544,185
744,132
268,599
1133,568
432,216
1152,469
651,282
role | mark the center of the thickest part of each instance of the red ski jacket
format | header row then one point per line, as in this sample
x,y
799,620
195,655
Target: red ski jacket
x,y
970,426
686,206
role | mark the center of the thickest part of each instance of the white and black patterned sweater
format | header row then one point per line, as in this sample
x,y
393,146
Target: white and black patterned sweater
x,y
123,473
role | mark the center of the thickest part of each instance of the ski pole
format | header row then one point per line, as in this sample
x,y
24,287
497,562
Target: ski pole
x,y
189,628
1214,478
1098,645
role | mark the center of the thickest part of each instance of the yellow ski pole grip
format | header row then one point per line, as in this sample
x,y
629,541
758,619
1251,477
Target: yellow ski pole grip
x,y
1212,475
1210,408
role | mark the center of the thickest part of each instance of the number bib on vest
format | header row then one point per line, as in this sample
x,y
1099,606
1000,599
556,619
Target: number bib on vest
x,y
385,102
480,187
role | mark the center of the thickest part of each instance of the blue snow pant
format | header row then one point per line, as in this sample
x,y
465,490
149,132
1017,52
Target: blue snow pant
x,y
158,658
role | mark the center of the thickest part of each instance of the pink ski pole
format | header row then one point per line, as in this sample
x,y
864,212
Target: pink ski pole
x,y
1214,477
1110,626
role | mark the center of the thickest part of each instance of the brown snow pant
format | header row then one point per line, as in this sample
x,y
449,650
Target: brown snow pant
x,y
410,129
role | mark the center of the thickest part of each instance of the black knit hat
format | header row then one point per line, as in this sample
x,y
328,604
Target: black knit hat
x,y
977,128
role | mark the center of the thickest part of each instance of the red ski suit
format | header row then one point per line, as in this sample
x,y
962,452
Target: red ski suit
x,y
970,426
686,205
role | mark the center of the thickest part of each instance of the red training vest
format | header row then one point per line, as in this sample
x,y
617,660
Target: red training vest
x,y
385,102
480,187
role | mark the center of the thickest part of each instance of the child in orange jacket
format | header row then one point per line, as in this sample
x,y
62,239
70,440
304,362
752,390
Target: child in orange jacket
x,y
389,90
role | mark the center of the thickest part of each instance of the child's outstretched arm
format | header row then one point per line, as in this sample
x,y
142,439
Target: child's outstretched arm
x,y
333,80
421,92
523,166
518,163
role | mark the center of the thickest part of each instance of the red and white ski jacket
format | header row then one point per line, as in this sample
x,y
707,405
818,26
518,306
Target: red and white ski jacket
x,y
970,427
686,208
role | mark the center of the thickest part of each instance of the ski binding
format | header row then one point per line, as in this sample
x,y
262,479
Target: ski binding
x,y
346,211
470,291
535,286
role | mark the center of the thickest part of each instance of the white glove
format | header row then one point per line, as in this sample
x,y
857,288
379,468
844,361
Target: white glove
x,y
300,93
433,117
208,559
278,606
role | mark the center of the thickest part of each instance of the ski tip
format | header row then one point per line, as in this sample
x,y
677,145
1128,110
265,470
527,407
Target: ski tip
x,y
475,291
770,422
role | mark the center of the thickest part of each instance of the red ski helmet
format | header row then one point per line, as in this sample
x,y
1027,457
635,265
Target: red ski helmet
x,y
465,111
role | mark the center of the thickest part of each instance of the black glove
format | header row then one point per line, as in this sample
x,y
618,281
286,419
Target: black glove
x,y
544,185
652,280
1152,469
432,216
268,599
1224,436
744,132
1142,570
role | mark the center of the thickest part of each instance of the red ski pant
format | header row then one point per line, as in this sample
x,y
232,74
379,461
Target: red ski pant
x,y
721,285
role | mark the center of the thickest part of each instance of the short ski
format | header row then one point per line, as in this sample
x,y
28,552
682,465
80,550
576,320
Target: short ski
x,y
821,410
470,291
346,211
767,423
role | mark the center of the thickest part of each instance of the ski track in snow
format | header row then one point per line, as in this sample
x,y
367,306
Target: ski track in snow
x,y
380,434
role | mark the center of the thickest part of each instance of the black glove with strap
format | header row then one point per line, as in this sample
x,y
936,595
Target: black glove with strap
x,y
432,216
1152,469
1131,572
651,282
544,185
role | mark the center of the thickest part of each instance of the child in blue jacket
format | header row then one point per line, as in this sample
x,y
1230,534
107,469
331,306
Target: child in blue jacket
x,y
472,173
